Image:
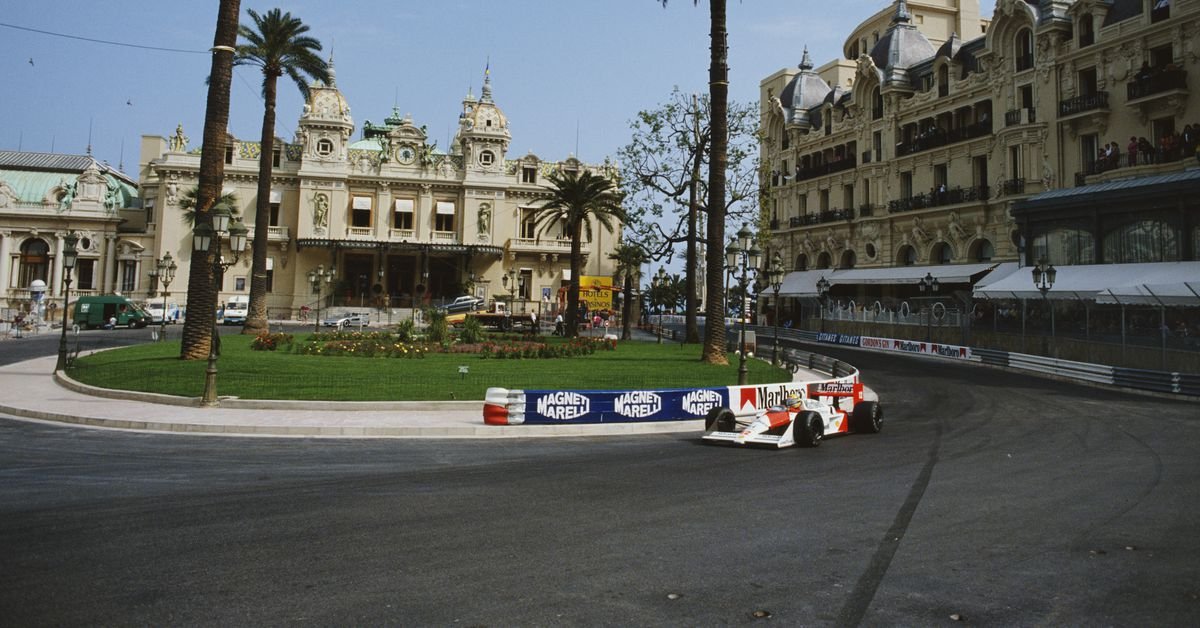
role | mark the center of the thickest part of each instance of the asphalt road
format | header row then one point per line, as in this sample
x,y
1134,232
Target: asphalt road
x,y
998,498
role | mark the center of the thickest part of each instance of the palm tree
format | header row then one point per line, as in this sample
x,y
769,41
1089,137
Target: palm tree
x,y
278,45
575,200
202,294
718,90
629,259
188,201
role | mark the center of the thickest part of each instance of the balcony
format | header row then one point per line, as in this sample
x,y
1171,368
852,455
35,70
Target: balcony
x,y
800,221
865,210
1080,105
274,233
835,215
445,237
804,174
1012,186
402,234
935,137
359,232
544,245
1160,84
1020,116
934,198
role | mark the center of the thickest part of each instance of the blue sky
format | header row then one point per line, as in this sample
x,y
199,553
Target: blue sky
x,y
561,69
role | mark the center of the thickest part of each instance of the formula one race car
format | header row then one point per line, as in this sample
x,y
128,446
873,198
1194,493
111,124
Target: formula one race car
x,y
800,420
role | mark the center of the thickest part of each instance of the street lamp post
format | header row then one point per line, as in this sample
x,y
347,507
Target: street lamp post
x,y
659,283
823,287
165,270
1044,275
775,277
69,255
316,277
929,284
743,253
510,285
204,237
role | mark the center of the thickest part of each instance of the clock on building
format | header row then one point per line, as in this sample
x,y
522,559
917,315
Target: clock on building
x,y
406,154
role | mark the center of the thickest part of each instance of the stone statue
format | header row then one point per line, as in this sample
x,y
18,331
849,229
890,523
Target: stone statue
x,y
112,197
68,194
918,233
320,209
484,219
173,189
179,142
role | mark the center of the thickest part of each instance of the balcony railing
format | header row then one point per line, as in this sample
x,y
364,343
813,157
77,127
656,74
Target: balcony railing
x,y
936,137
866,209
445,236
1081,104
1013,186
359,232
402,234
539,245
834,215
1162,81
1014,117
847,163
936,198
800,221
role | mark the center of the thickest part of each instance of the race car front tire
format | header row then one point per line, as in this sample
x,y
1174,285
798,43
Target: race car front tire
x,y
808,429
720,419
867,417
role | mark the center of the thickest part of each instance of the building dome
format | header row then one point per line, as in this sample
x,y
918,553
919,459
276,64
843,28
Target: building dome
x,y
805,91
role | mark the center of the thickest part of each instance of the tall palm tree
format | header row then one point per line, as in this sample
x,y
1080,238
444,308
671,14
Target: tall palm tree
x,y
629,259
718,90
278,45
202,294
576,199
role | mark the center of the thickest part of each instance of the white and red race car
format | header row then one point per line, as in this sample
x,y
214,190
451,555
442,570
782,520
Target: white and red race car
x,y
802,420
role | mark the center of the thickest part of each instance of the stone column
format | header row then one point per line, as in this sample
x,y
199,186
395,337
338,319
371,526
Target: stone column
x,y
5,262
422,222
55,287
383,216
107,255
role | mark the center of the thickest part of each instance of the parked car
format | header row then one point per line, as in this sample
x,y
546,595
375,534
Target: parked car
x,y
348,320
465,303
155,309
108,311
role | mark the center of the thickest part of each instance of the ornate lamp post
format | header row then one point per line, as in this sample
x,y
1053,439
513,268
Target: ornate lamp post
x,y
165,271
929,284
204,237
775,277
823,287
659,283
1044,275
69,255
743,253
316,277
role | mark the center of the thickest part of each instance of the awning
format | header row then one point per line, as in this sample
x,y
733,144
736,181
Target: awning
x,y
445,208
944,273
1163,283
803,283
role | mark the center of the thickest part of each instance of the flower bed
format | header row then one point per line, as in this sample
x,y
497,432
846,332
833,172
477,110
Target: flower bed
x,y
382,344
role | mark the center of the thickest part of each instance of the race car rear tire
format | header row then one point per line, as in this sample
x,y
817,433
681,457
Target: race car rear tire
x,y
867,417
720,419
808,429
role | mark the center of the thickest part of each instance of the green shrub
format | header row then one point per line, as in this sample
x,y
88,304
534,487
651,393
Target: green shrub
x,y
267,341
472,331
439,329
406,330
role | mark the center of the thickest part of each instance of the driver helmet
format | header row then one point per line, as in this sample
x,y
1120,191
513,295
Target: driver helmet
x,y
793,399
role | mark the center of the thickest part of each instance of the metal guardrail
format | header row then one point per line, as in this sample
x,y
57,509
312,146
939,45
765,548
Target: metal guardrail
x,y
1097,373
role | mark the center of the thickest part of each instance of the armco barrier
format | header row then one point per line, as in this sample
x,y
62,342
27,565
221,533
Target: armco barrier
x,y
503,406
1153,381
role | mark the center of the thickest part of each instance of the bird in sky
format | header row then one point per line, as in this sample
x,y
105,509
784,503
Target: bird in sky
x,y
30,60
129,102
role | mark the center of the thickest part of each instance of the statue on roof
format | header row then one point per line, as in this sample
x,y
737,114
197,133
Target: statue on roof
x,y
112,197
67,197
178,143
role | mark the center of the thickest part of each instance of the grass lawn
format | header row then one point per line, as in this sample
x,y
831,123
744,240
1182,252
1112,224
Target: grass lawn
x,y
251,374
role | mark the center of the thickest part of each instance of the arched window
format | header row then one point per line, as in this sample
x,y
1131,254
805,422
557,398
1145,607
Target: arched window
x,y
1087,33
35,262
1142,241
907,256
982,251
801,262
1064,245
942,254
943,79
824,261
1024,49
849,259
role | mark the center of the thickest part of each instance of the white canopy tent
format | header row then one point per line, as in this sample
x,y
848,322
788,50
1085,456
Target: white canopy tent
x,y
944,273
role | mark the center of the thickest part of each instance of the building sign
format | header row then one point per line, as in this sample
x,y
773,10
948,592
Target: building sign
x,y
596,292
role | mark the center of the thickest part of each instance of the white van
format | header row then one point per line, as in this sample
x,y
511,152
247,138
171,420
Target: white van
x,y
236,309
155,308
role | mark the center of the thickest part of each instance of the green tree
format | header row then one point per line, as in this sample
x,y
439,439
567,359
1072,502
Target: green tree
x,y
187,203
718,93
577,198
662,167
278,45
202,293
629,258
